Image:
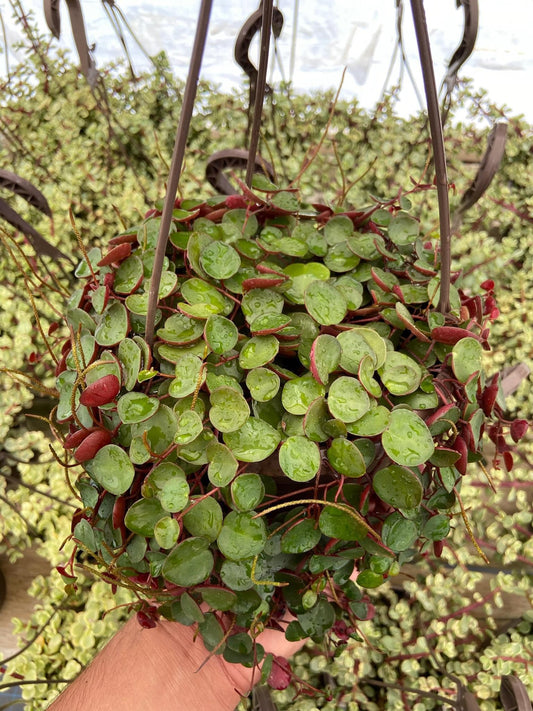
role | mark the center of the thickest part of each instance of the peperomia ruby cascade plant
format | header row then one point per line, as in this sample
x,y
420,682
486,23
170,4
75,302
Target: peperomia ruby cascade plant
x,y
305,411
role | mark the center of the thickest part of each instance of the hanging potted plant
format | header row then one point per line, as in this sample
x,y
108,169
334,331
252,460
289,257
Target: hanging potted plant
x,y
273,405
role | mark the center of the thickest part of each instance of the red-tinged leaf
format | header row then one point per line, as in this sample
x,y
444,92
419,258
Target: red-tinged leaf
x,y
508,460
379,281
117,254
372,227
325,209
61,365
450,335
489,395
109,279
408,325
438,547
92,444
519,429
490,304
475,307
426,271
124,239
312,363
146,620
494,432
261,283
280,676
119,510
101,391
63,571
53,327
235,202
216,215
487,285
468,436
396,290
439,414
460,446
74,439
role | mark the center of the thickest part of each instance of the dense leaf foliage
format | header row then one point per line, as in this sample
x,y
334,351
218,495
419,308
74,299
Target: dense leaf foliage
x,y
93,155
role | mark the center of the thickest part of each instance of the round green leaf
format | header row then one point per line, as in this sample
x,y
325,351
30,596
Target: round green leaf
x,y
180,330
337,523
399,533
340,258
403,229
130,355
315,421
338,229
302,274
267,324
369,579
407,439
366,371
244,223
153,483
466,358
254,441
325,357
136,407
258,351
221,334
199,292
352,291
158,429
247,491
166,532
299,458
143,515
204,518
219,598
112,469
229,409
190,374
400,374
374,422
299,393
222,464
398,487
189,563
113,325
346,458
242,536
198,311
128,276
174,493
236,575
189,427
220,260
347,399
257,302
317,621
354,346
212,632
83,532
325,303
302,537
263,384
167,284
437,527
